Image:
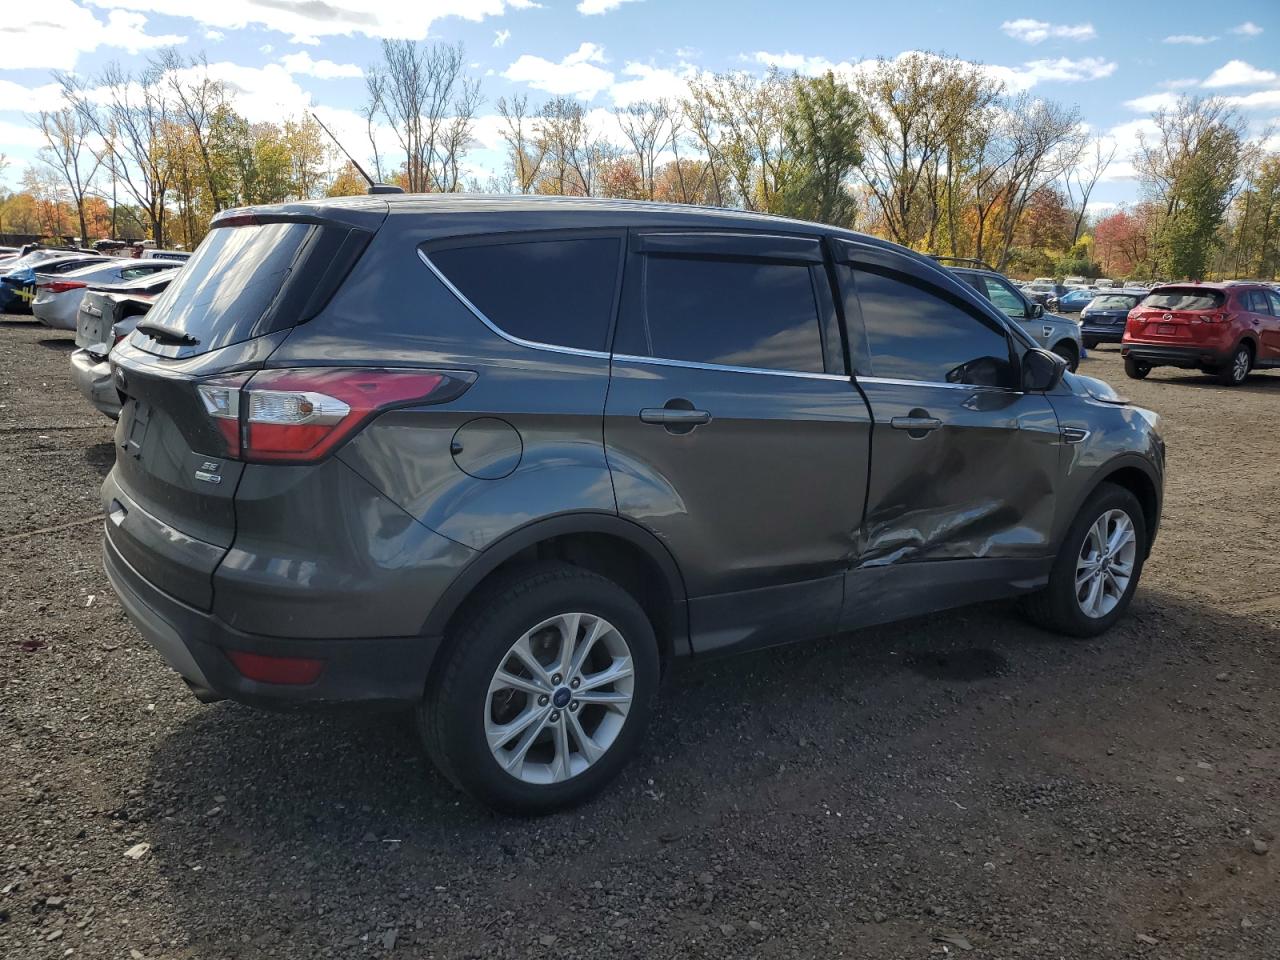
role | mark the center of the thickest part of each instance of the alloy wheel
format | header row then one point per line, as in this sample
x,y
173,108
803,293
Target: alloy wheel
x,y
559,698
1105,564
1240,365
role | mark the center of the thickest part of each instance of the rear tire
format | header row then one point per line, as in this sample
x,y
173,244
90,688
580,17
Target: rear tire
x,y
1135,370
487,687
1092,553
1069,352
1236,370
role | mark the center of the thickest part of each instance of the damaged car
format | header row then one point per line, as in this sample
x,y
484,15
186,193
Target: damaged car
x,y
506,459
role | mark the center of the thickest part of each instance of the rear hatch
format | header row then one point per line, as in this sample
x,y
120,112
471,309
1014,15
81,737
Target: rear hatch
x,y
1176,314
170,496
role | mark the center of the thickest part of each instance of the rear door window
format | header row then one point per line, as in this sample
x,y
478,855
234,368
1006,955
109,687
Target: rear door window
x,y
222,294
731,312
554,292
1005,300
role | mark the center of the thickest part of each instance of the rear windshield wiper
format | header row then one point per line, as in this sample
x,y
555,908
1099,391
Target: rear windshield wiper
x,y
159,331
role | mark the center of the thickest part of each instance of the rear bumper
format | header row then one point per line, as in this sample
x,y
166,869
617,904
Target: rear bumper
x,y
1190,356
1103,334
92,378
195,644
56,313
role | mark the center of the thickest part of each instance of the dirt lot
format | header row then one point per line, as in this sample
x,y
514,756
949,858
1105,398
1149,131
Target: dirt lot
x,y
963,775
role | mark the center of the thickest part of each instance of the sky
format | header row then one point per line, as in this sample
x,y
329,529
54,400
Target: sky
x,y
1116,61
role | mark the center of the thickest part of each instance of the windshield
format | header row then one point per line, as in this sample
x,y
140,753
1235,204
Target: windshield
x,y
1115,301
1193,299
221,294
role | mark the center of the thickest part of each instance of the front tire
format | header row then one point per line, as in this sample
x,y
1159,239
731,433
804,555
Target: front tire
x,y
1069,352
1135,370
1097,568
1236,370
546,690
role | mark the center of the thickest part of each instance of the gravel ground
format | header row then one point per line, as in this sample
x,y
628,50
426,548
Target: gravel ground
x,y
963,775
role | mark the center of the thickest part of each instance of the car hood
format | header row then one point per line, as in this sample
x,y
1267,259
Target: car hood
x,y
1094,388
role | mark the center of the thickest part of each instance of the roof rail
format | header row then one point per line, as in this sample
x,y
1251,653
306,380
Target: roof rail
x,y
970,261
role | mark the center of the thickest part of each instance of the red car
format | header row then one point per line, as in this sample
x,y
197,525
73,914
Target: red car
x,y
1224,329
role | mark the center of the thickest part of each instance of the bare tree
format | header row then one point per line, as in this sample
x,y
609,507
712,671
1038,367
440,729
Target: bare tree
x,y
1044,142
520,131
572,152
647,125
68,153
430,105
1082,178
132,124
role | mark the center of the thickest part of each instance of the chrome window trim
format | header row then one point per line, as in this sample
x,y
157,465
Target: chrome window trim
x,y
728,368
937,383
510,338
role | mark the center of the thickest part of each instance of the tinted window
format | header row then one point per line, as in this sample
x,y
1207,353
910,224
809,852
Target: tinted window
x,y
1257,302
1114,301
738,313
1275,302
915,335
225,288
1167,299
548,291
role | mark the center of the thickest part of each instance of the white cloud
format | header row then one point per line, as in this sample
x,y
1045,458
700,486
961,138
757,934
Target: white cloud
x,y
214,35
652,83
1179,84
1037,31
301,62
500,37
266,48
1237,73
1194,39
53,34
1247,29
576,75
1152,102
14,96
590,8
798,62
306,21
19,135
1258,100
1060,70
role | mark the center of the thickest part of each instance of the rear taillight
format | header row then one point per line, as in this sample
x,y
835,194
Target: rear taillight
x,y
62,286
301,415
1214,318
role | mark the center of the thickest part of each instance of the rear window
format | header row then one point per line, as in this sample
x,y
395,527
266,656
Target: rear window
x,y
557,292
222,293
1173,299
1114,302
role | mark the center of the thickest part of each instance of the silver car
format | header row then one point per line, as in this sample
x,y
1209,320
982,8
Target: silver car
x,y
1052,331
57,300
107,315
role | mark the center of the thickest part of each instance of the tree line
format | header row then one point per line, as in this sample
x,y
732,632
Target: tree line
x,y
927,150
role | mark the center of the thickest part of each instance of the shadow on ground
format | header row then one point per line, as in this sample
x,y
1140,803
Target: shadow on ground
x,y
297,807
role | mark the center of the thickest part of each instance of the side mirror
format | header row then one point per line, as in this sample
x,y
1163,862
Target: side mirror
x,y
1037,311
1041,370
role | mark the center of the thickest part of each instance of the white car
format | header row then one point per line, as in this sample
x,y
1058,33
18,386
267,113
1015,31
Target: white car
x,y
58,298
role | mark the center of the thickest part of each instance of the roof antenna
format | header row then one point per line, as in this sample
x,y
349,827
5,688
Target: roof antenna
x,y
373,187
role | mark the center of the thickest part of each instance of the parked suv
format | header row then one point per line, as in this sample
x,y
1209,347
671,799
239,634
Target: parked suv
x,y
506,458
1059,334
1223,329
1102,319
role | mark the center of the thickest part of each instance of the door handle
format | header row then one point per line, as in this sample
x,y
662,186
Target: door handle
x,y
915,424
669,417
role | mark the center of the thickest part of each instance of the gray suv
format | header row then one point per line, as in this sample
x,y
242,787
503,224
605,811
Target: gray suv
x,y
504,459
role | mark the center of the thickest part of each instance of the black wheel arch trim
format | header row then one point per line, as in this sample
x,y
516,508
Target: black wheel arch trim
x,y
1104,474
509,545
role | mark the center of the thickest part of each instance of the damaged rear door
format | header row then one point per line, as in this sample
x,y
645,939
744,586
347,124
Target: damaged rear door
x,y
964,466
